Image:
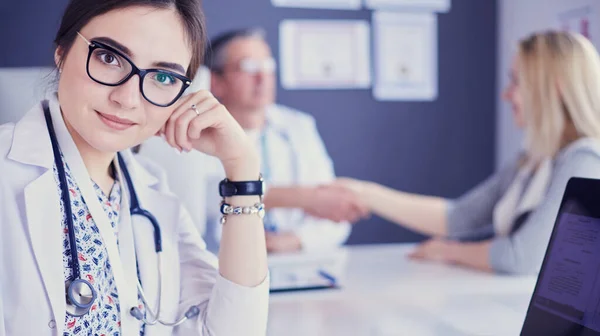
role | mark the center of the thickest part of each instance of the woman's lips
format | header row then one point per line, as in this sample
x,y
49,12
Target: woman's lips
x,y
115,122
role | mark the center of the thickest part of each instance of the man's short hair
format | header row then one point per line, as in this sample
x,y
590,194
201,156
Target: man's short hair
x,y
215,56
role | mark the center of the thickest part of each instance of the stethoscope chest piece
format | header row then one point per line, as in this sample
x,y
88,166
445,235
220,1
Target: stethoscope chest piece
x,y
80,297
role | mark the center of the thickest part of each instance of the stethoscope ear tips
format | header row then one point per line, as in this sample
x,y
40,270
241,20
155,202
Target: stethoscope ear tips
x,y
137,313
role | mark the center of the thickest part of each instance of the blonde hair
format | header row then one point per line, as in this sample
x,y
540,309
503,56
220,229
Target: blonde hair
x,y
559,75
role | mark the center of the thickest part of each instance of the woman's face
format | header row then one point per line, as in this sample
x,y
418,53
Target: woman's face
x,y
512,94
113,118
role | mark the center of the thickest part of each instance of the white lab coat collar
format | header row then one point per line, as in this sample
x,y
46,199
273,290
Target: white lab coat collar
x,y
138,173
275,119
31,142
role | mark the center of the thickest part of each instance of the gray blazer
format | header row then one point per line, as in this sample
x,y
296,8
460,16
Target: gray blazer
x,y
470,216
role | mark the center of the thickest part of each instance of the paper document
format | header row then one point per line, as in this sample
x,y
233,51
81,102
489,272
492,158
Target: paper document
x,y
302,270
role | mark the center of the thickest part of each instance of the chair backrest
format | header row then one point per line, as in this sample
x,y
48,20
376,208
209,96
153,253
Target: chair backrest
x,y
21,88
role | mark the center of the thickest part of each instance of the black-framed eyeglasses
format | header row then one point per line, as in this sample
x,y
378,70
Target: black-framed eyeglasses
x,y
108,66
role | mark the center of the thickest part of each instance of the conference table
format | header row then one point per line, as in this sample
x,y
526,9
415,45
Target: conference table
x,y
383,293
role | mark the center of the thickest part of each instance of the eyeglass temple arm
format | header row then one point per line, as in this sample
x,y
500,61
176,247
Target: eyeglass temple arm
x,y
86,40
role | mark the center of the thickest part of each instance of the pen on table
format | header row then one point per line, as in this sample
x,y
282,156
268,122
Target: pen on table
x,y
328,276
270,228
269,225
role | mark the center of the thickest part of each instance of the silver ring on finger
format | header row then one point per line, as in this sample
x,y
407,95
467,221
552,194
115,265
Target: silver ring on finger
x,y
195,109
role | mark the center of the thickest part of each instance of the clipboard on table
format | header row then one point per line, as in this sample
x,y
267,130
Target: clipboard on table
x,y
307,271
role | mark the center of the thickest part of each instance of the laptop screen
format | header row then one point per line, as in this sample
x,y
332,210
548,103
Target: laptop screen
x,y
566,300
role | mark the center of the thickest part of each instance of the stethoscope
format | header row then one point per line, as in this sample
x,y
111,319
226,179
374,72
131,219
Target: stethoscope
x,y
270,225
266,162
80,294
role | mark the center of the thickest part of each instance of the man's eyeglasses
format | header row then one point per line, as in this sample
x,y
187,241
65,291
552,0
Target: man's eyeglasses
x,y
108,66
253,66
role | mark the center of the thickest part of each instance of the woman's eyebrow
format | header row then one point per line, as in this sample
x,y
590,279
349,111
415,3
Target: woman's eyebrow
x,y
169,65
114,44
119,46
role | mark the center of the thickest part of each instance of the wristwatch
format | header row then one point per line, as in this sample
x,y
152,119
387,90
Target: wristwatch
x,y
229,188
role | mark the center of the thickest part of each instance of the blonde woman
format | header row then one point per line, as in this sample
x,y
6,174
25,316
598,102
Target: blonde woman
x,y
503,225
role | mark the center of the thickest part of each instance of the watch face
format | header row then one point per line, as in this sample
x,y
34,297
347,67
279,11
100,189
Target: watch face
x,y
264,188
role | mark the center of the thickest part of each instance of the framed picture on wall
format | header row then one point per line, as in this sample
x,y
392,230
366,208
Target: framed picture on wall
x,y
405,56
581,20
324,54
323,4
428,5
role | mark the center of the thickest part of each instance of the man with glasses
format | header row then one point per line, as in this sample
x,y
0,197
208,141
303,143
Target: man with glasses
x,y
304,210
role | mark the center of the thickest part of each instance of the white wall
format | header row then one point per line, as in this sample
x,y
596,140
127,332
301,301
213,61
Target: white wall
x,y
518,18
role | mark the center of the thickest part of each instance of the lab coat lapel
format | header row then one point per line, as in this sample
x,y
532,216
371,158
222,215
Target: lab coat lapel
x,y
31,146
126,240
44,227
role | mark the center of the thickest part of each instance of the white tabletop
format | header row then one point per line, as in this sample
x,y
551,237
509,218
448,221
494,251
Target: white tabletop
x,y
386,294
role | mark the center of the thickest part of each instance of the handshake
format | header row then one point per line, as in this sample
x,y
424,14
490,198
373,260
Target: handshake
x,y
340,201
343,200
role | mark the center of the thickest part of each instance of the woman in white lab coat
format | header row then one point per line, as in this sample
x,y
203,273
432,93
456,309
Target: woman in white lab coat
x,y
77,256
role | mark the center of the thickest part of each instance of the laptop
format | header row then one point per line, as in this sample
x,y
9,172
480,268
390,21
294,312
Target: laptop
x,y
566,299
